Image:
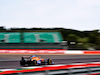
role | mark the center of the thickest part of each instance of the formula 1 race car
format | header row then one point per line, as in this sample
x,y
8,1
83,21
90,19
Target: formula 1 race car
x,y
34,60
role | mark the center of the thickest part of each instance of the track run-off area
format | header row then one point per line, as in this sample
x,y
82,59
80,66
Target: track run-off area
x,y
13,61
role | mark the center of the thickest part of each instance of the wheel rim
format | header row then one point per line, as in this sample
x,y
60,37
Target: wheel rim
x,y
50,61
35,63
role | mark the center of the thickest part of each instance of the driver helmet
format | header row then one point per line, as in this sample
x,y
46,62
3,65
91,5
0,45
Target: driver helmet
x,y
34,56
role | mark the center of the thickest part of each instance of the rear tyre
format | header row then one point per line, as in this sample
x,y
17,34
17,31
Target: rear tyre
x,y
49,61
34,62
22,62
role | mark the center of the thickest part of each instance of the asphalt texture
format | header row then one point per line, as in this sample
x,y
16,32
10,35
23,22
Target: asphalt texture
x,y
13,61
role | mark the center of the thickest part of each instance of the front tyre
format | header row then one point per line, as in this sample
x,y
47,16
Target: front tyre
x,y
49,61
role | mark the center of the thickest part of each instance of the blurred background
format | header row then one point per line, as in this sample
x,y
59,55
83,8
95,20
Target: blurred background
x,y
74,23
49,38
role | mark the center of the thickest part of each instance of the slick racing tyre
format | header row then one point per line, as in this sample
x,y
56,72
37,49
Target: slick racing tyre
x,y
34,62
49,61
22,62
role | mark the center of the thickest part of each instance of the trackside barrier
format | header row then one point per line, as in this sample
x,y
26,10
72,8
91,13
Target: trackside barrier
x,y
70,69
45,51
81,52
33,51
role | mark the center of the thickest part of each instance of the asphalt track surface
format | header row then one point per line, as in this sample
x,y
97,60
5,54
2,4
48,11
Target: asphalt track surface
x,y
12,61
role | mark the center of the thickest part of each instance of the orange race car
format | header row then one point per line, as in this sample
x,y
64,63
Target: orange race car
x,y
34,60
